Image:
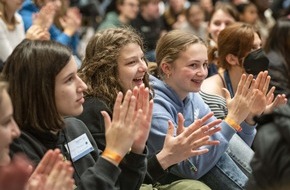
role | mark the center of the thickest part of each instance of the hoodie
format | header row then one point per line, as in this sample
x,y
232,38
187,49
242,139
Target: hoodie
x,y
166,107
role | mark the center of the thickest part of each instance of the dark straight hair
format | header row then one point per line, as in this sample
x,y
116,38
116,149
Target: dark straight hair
x,y
31,70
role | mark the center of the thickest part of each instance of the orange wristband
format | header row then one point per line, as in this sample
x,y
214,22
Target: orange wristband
x,y
112,155
233,124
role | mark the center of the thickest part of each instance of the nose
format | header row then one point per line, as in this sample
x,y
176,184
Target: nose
x,y
81,85
142,66
203,71
222,26
15,131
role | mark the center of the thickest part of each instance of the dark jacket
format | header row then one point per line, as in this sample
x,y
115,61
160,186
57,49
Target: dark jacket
x,y
93,119
271,162
278,72
91,170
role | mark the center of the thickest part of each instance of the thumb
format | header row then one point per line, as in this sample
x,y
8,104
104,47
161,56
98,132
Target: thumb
x,y
107,120
170,130
227,94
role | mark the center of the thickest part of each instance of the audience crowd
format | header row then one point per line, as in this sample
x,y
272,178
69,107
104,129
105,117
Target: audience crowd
x,y
144,94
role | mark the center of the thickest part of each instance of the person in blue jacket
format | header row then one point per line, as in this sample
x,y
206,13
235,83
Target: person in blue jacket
x,y
44,11
182,66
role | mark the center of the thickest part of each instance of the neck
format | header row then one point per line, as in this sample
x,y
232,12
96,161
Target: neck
x,y
180,94
9,15
235,74
123,19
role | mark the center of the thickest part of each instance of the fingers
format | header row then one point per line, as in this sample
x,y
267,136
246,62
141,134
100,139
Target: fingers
x,y
241,84
227,94
180,127
45,163
170,130
145,99
270,95
128,108
107,120
262,81
139,95
125,106
212,131
60,177
150,112
35,183
204,142
266,85
136,94
214,123
247,85
116,110
199,152
190,130
206,117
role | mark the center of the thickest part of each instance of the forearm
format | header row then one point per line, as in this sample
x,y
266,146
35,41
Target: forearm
x,y
134,167
103,175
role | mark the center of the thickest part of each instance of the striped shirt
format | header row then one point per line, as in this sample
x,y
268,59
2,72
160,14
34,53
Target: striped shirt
x,y
216,103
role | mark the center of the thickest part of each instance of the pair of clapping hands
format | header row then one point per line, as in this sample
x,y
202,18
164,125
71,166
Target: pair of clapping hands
x,y
52,173
131,125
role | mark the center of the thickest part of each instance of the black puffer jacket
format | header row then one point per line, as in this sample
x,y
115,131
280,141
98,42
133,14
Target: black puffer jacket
x,y
271,163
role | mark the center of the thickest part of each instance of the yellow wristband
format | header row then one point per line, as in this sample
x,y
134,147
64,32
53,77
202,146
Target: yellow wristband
x,y
233,124
112,156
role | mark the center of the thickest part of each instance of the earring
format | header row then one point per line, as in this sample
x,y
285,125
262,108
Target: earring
x,y
168,75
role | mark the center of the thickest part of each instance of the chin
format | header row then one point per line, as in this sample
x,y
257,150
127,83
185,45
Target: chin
x,y
73,113
5,160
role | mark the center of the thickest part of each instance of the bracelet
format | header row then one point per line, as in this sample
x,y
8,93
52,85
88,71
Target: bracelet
x,y
233,124
112,155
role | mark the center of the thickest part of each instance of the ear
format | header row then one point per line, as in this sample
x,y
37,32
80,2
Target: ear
x,y
232,59
166,68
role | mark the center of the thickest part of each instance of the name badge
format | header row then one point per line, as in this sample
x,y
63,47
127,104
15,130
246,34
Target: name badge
x,y
79,147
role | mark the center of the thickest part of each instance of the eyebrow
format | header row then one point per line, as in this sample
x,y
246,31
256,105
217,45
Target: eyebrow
x,y
68,76
134,57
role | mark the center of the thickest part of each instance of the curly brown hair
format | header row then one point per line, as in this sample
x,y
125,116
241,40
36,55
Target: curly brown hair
x,y
100,67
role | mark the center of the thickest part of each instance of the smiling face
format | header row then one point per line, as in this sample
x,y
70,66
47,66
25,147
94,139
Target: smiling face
x,y
188,71
219,21
8,128
69,89
131,66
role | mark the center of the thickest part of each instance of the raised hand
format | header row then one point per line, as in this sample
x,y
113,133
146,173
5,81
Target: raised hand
x,y
36,32
120,132
146,105
45,17
261,84
15,175
272,103
264,102
245,96
188,141
71,22
52,173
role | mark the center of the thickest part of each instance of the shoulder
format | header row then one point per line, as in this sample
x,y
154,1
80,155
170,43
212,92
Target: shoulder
x,y
213,85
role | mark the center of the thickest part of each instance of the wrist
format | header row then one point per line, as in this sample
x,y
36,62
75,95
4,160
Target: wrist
x,y
69,32
231,122
250,121
163,160
112,156
137,150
